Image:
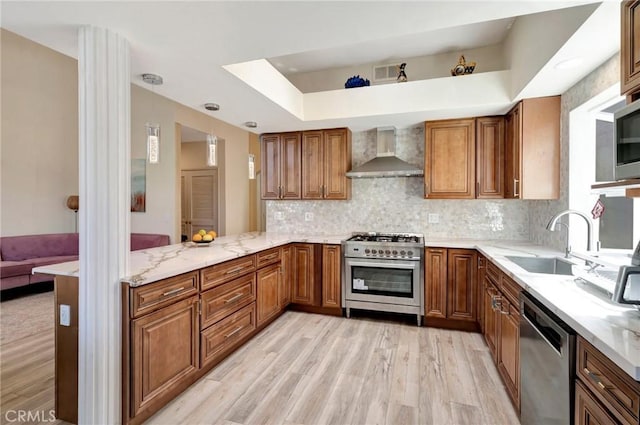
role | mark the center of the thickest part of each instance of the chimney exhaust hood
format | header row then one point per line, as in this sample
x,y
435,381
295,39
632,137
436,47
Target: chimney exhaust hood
x,y
385,164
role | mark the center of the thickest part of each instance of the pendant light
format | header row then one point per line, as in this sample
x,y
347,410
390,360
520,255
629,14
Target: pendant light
x,y
212,151
153,129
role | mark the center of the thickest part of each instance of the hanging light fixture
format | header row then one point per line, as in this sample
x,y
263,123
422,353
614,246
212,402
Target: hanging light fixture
x,y
212,151
153,129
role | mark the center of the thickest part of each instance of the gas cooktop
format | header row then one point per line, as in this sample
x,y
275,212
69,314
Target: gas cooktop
x,y
393,246
386,237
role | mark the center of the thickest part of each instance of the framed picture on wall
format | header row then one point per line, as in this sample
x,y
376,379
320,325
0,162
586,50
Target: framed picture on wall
x,y
138,184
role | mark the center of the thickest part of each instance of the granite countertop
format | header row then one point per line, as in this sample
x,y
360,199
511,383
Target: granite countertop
x,y
613,329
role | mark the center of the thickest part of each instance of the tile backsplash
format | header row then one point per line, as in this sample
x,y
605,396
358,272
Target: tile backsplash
x,y
397,204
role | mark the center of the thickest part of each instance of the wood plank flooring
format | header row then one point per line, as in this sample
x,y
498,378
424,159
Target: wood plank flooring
x,y
312,369
308,369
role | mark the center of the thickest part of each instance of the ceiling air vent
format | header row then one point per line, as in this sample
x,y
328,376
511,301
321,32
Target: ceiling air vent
x,y
385,72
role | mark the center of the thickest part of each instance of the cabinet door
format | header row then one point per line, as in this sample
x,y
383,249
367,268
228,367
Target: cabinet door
x,y
303,275
285,282
490,157
331,276
588,411
290,166
630,47
512,152
267,285
164,351
270,166
435,280
337,161
462,282
312,165
509,349
450,158
482,266
490,317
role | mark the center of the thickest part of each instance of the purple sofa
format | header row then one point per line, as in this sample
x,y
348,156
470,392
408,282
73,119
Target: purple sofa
x,y
20,254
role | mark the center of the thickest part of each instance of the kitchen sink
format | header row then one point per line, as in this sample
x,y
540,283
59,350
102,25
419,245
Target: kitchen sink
x,y
545,265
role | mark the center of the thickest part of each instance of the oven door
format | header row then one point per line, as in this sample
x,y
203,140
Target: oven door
x,y
383,281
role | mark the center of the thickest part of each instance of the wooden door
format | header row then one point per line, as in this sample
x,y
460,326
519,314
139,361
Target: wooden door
x,y
302,289
165,347
588,411
337,161
290,165
435,280
461,284
450,158
312,165
270,166
490,317
267,285
285,282
509,349
200,200
630,47
513,137
331,276
490,157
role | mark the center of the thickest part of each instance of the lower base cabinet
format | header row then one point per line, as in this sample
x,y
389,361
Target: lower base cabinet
x,y
219,339
587,409
268,286
331,276
164,351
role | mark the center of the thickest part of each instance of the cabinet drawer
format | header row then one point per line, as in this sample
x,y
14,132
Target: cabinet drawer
x,y
510,289
267,257
148,298
221,273
218,339
224,299
614,388
589,411
494,272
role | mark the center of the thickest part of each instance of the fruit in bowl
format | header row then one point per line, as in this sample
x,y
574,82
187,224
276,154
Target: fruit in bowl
x,y
203,236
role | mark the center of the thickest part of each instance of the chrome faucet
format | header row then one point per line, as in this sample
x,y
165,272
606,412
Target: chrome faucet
x,y
555,220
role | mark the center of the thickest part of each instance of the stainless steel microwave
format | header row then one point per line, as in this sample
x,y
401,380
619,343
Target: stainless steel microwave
x,y
627,140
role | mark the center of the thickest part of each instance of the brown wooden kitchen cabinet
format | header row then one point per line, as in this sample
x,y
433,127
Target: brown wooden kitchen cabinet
x,y
588,411
285,282
532,149
449,162
281,165
491,316
303,265
164,353
630,48
268,285
482,265
464,159
450,282
331,276
326,158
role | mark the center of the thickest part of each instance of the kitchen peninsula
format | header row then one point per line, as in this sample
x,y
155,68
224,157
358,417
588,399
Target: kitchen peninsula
x,y
200,303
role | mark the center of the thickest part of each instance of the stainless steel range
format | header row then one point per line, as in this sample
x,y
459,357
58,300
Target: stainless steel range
x,y
384,272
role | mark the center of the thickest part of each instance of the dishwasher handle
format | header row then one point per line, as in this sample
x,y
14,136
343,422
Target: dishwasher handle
x,y
546,327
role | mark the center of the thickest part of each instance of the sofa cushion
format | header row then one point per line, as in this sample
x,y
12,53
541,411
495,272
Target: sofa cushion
x,y
17,248
15,268
44,261
147,240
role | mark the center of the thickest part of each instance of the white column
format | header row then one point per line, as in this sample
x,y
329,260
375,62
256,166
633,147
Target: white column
x,y
104,155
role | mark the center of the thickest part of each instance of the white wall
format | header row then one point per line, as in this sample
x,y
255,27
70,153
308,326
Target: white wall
x,y
39,138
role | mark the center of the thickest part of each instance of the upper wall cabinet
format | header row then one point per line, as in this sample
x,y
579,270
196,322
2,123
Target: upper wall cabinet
x,y
281,161
464,159
532,149
326,158
630,48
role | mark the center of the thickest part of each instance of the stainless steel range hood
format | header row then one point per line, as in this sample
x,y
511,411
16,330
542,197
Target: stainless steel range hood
x,y
386,163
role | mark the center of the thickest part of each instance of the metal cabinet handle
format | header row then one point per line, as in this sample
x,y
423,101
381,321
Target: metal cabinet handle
x,y
229,335
173,291
515,187
480,263
426,189
235,297
496,303
506,312
236,270
595,378
280,192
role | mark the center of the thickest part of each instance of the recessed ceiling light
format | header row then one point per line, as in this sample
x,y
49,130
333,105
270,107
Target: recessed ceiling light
x,y
569,63
211,106
251,124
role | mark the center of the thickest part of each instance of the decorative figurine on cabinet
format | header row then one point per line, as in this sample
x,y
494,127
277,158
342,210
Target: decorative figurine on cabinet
x,y
463,67
402,77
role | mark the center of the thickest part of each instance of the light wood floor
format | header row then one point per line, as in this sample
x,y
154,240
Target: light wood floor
x,y
309,369
312,369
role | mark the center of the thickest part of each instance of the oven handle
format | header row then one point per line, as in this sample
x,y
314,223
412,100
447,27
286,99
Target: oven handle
x,y
393,264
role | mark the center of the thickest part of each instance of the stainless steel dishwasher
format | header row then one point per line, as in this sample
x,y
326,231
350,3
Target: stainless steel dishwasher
x,y
547,366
